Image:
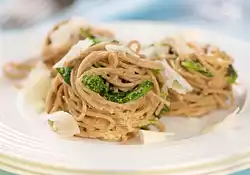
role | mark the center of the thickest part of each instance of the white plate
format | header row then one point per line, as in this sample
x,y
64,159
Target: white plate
x,y
26,143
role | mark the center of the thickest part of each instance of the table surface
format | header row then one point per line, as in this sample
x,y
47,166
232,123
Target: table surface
x,y
232,19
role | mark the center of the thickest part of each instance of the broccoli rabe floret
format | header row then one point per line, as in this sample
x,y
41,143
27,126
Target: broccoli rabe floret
x,y
139,91
86,33
97,84
232,74
196,66
65,72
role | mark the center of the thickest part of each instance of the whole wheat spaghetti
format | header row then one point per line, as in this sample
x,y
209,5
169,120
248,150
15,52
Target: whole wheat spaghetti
x,y
51,52
114,113
208,70
112,90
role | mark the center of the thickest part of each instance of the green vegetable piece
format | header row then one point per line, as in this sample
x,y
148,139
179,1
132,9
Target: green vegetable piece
x,y
115,41
139,91
196,66
124,97
115,96
95,83
164,109
86,33
95,41
145,127
232,74
150,122
51,124
156,71
65,72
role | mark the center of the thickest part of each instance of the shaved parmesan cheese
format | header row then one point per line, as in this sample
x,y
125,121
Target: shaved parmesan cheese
x,y
148,137
63,124
161,50
148,51
156,50
227,123
117,48
63,35
36,87
174,80
74,52
181,46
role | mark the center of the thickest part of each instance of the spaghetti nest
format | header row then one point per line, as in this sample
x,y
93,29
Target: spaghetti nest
x,y
53,52
110,93
208,70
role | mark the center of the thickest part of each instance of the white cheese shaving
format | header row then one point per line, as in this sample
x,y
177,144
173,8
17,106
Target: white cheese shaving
x,y
173,79
74,52
36,87
181,46
148,137
148,51
63,35
63,124
161,50
122,48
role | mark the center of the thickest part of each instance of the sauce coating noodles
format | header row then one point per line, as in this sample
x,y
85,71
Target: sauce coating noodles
x,y
207,70
96,116
112,90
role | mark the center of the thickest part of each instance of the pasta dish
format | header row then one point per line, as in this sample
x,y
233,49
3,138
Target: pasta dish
x,y
95,86
207,69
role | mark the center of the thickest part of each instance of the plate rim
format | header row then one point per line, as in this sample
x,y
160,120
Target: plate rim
x,y
229,168
171,24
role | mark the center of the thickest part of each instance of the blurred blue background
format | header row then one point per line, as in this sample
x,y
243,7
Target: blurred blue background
x,y
227,16
230,16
